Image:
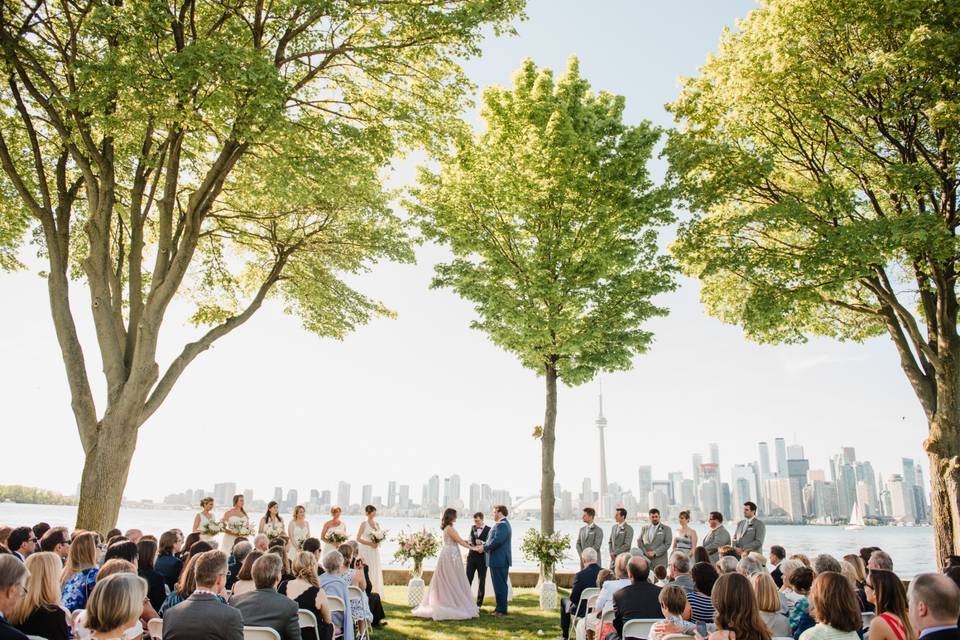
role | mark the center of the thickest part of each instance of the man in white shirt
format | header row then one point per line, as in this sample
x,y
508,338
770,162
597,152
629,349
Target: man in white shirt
x,y
750,531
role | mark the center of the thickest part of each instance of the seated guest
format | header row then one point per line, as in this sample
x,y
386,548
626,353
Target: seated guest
x,y
312,545
333,584
113,533
738,617
880,559
866,552
660,575
40,529
727,564
586,578
80,573
835,609
13,578
886,593
639,599
934,602
184,587
280,550
146,558
305,590
777,555
374,602
680,571
22,542
749,565
192,539
608,585
115,605
700,555
261,542
674,606
768,602
860,578
168,564
704,577
825,562
133,535
205,614
796,588
237,556
124,550
354,575
804,560
265,607
56,540
244,582
954,574
728,551
39,612
4,535
116,565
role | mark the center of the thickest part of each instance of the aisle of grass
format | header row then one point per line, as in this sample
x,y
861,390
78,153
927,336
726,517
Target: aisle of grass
x,y
524,621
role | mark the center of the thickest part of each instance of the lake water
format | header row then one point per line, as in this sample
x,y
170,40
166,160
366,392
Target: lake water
x,y
910,547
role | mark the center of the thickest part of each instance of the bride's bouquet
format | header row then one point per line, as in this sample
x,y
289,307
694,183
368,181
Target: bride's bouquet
x,y
211,528
548,550
335,538
238,527
417,547
376,537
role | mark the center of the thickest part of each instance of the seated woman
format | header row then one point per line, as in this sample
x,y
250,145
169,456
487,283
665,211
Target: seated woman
x,y
115,606
39,612
704,576
353,575
305,590
835,609
80,573
168,565
604,603
244,581
768,602
146,559
738,617
799,583
886,593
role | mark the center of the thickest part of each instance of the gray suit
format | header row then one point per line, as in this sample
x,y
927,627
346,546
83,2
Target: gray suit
x,y
590,535
750,535
621,537
715,539
267,608
202,617
660,538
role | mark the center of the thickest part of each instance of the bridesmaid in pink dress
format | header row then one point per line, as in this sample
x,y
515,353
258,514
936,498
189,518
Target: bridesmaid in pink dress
x,y
449,596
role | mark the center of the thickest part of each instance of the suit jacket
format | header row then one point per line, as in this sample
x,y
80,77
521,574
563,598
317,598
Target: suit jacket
x,y
749,535
620,539
715,539
639,600
267,608
477,539
660,544
590,535
777,576
585,579
9,632
946,634
202,616
497,548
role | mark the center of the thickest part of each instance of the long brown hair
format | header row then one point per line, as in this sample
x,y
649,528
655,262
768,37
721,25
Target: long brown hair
x,y
187,583
449,515
246,569
737,610
834,603
236,499
83,555
890,596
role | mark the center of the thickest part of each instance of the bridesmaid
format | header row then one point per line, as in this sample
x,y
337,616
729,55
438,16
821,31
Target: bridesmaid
x,y
370,549
236,515
271,524
685,537
333,524
203,518
298,531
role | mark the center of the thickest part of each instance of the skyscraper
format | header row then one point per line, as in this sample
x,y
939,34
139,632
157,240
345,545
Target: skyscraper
x,y
223,493
764,452
780,449
403,499
343,494
391,494
451,491
278,495
646,485
601,427
714,451
366,495
432,496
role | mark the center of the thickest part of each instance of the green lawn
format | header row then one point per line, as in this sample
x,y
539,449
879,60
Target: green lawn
x,y
525,620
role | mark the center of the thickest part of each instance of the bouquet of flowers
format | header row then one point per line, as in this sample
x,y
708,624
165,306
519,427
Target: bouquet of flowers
x,y
335,538
272,531
417,547
211,528
238,528
376,537
548,550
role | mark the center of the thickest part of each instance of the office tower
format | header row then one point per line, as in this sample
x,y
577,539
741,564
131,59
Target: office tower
x,y
223,493
391,494
920,497
278,495
797,474
586,494
451,491
780,450
366,495
848,454
432,499
566,505
675,478
794,452
864,473
248,496
601,424
743,484
658,498
643,491
901,499
403,499
474,497
820,499
697,462
764,452
292,501
863,499
711,497
714,451
343,495
325,497
687,495
782,500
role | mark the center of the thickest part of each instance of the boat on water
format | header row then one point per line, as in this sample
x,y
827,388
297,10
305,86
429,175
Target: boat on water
x,y
856,519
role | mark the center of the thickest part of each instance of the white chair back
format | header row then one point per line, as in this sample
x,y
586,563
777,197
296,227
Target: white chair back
x,y
155,628
307,619
355,593
639,627
336,604
589,592
260,633
607,617
36,638
866,618
591,604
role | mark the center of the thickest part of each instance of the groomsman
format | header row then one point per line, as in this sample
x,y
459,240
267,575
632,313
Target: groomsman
x,y
591,535
621,536
476,561
750,531
654,540
717,537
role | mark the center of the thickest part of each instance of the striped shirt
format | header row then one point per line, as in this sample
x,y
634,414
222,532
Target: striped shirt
x,y
702,607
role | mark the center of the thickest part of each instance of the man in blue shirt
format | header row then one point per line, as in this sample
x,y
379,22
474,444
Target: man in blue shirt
x,y
934,607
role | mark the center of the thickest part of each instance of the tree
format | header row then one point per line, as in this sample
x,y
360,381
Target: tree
x,y
222,151
818,149
551,215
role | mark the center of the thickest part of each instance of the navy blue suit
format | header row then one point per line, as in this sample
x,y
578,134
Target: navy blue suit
x,y
585,579
499,558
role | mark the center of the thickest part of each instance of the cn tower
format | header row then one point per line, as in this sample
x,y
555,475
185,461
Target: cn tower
x,y
601,426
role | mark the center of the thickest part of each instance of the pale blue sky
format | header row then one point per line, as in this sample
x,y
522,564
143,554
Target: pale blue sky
x,y
403,399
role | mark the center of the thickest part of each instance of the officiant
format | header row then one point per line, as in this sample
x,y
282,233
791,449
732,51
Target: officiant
x,y
477,562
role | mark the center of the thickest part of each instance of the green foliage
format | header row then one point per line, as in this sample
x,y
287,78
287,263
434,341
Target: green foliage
x,y
818,151
32,495
547,549
550,215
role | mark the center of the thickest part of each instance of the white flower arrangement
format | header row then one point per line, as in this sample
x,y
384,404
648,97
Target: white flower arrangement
x,y
210,528
335,537
239,528
376,537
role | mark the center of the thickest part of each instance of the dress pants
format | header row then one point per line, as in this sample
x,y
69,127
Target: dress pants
x,y
565,615
500,575
477,564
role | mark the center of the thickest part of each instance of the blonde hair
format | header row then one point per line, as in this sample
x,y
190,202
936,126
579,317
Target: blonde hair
x,y
116,601
858,567
673,599
305,568
768,597
43,578
83,555
114,566
848,571
335,510
620,565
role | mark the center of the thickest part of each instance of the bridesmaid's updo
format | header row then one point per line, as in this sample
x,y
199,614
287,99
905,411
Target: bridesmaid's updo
x,y
449,515
335,511
369,509
206,501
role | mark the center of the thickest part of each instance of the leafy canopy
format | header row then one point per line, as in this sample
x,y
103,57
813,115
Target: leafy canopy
x,y
551,216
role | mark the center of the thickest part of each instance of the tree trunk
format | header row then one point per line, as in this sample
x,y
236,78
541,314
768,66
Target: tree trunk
x,y
943,451
105,474
547,445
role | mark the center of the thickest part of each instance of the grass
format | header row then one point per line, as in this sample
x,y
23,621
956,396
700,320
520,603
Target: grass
x,y
525,621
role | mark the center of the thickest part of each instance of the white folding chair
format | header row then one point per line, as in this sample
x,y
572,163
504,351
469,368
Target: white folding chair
x,y
356,593
607,617
260,633
639,627
589,592
155,628
866,618
337,606
36,638
308,620
592,604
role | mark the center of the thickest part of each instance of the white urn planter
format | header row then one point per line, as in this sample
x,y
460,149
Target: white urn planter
x,y
548,596
415,591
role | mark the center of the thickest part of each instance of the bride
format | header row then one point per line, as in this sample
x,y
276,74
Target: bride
x,y
449,596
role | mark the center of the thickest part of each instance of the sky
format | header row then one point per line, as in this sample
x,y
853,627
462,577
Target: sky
x,y
403,399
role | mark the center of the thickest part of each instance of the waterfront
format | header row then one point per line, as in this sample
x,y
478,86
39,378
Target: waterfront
x,y
910,547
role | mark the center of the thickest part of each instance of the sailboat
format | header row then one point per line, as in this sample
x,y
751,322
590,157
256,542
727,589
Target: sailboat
x,y
856,520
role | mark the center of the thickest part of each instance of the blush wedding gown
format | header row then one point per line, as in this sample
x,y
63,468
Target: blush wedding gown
x,y
449,596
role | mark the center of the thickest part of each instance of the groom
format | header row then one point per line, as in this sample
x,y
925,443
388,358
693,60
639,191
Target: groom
x,y
499,558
